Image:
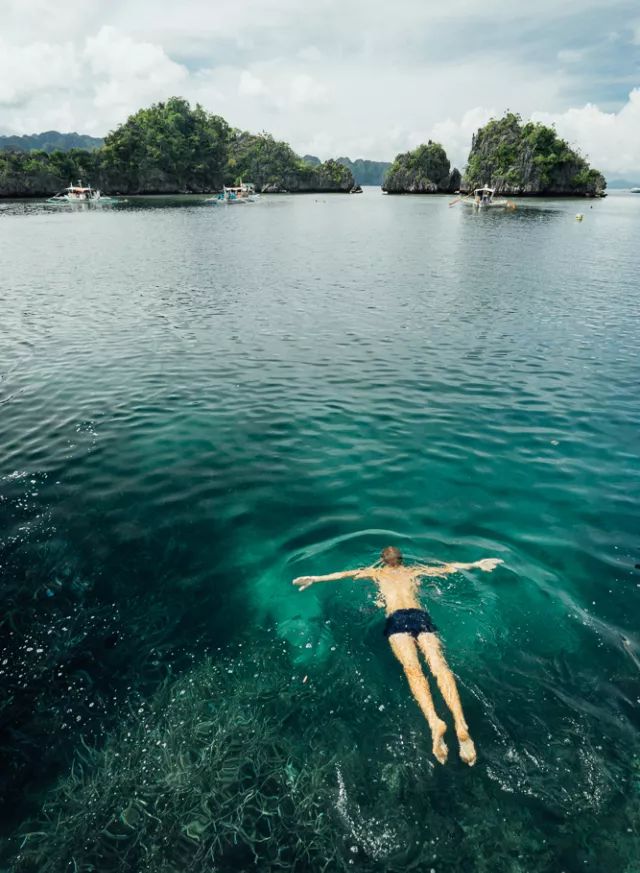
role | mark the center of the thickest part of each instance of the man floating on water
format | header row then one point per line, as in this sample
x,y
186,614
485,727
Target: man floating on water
x,y
409,629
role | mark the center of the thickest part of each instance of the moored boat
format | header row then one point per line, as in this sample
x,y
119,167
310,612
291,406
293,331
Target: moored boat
x,y
245,192
80,194
483,198
635,190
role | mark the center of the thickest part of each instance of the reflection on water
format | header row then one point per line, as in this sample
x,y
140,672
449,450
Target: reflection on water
x,y
198,404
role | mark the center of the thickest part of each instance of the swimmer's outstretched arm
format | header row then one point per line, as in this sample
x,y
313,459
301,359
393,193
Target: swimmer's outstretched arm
x,y
303,582
486,564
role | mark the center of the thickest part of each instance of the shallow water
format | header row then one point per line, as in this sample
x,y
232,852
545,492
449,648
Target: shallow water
x,y
199,403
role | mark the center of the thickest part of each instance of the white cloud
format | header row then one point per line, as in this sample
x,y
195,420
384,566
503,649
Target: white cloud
x,y
455,136
88,86
26,71
306,90
570,56
330,81
127,73
611,140
310,53
250,85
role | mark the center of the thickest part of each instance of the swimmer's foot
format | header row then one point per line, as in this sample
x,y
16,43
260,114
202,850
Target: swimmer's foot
x,y
467,748
440,749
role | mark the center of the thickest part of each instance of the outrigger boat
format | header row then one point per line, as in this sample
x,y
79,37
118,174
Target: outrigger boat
x,y
245,192
80,194
483,198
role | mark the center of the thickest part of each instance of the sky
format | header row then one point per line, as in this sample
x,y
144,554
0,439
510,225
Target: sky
x,y
334,77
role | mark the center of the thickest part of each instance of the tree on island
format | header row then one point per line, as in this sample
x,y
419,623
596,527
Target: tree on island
x,y
517,158
167,147
274,166
171,148
425,170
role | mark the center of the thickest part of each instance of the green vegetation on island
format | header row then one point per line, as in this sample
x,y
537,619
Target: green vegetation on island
x,y
40,174
165,148
517,158
425,170
171,148
273,166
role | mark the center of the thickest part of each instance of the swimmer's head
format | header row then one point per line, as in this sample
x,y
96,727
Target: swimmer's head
x,y
391,556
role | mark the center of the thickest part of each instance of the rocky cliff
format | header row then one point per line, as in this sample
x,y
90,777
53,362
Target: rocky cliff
x,y
425,170
328,177
528,159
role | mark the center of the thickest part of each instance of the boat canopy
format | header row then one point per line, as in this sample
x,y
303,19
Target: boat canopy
x,y
240,189
484,191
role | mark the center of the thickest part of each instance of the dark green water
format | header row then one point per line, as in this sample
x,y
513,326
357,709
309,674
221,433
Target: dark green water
x,y
198,404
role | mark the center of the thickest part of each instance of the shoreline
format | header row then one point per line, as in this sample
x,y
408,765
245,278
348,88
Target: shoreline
x,y
435,194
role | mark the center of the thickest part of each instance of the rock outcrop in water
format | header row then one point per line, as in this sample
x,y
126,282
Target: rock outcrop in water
x,y
171,148
425,170
528,159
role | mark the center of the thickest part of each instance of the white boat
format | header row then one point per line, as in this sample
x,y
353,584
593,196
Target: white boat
x,y
483,198
80,194
635,190
245,192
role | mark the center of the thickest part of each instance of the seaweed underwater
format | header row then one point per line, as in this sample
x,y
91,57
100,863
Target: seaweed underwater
x,y
217,772
244,763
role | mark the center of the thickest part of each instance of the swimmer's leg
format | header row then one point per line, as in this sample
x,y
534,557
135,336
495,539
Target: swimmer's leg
x,y
404,648
430,645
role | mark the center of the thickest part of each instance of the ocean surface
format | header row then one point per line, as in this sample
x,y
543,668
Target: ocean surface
x,y
199,403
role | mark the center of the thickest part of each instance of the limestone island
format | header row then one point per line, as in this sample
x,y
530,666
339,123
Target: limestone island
x,y
528,160
425,170
171,148
507,156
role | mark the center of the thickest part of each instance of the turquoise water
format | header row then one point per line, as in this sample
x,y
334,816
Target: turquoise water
x,y
198,404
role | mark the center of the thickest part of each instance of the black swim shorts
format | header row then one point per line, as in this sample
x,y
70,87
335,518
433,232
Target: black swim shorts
x,y
409,621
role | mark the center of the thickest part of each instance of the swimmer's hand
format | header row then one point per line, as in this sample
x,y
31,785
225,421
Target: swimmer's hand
x,y
487,564
303,582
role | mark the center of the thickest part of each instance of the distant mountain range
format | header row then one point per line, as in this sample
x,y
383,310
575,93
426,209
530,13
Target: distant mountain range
x,y
50,141
622,183
364,172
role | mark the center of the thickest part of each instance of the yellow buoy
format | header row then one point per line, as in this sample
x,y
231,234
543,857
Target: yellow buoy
x,y
579,216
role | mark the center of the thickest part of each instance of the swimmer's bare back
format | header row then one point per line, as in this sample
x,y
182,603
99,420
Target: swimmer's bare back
x,y
410,630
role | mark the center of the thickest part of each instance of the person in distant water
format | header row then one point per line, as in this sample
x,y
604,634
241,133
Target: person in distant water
x,y
409,629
